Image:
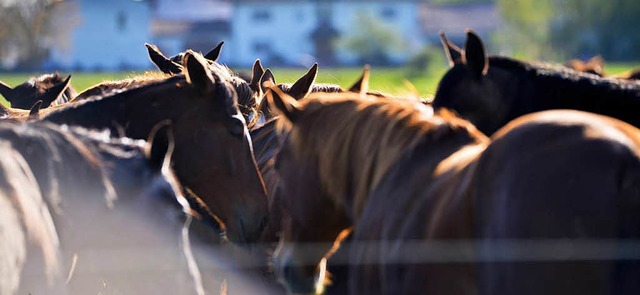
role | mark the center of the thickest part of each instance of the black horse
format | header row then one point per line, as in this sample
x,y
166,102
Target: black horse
x,y
490,91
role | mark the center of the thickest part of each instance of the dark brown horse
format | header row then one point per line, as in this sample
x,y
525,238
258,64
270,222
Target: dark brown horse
x,y
51,89
174,65
491,91
213,152
101,214
247,93
418,188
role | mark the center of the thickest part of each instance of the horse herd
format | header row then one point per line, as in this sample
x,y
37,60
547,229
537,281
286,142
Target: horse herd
x,y
518,178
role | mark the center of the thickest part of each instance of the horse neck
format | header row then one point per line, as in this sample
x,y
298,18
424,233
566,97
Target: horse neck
x,y
359,164
534,88
122,113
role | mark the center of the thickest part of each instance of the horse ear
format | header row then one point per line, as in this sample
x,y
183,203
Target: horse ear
x,y
214,54
160,145
6,91
35,110
597,64
474,54
162,62
54,92
198,73
453,52
282,103
267,78
362,85
256,74
302,87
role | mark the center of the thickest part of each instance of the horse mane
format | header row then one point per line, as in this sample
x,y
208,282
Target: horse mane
x,y
558,72
107,87
316,87
376,134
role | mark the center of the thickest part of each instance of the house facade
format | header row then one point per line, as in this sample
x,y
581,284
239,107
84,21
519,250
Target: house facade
x,y
302,32
110,36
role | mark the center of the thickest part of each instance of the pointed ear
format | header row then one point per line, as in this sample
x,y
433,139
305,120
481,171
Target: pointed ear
x,y
160,145
54,92
162,62
475,56
197,72
302,87
266,81
283,104
256,74
362,85
214,53
35,110
453,52
6,91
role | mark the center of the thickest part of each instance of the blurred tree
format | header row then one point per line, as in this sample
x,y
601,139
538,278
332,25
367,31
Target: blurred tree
x,y
29,29
561,29
372,40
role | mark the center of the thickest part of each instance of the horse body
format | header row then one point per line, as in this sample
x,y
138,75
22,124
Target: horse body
x,y
428,180
101,212
579,186
491,91
213,154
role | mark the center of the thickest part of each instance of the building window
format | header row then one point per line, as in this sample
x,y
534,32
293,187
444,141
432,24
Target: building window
x,y
121,21
388,12
261,47
261,15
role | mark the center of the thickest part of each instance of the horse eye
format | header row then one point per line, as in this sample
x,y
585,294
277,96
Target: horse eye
x,y
237,128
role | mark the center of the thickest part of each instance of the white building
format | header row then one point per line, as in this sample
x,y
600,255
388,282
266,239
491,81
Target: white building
x,y
190,24
283,31
111,36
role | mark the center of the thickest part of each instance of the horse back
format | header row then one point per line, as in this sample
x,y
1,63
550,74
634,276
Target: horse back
x,y
563,178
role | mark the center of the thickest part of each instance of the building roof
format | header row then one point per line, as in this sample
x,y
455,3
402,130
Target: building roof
x,y
193,10
454,19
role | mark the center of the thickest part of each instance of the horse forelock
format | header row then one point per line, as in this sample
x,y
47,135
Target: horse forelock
x,y
543,69
356,140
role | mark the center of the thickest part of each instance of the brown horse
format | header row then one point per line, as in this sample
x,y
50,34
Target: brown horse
x,y
406,180
213,152
490,91
51,89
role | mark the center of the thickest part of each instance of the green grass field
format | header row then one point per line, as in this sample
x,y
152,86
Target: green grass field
x,y
397,81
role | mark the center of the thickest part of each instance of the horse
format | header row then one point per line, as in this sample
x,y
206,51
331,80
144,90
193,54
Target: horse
x,y
247,93
407,181
213,155
66,193
117,214
303,87
174,65
51,89
491,91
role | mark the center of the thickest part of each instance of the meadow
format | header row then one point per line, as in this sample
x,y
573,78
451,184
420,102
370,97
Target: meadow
x,y
395,81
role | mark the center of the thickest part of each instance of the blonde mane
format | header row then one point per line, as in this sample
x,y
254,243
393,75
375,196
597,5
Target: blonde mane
x,y
356,140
